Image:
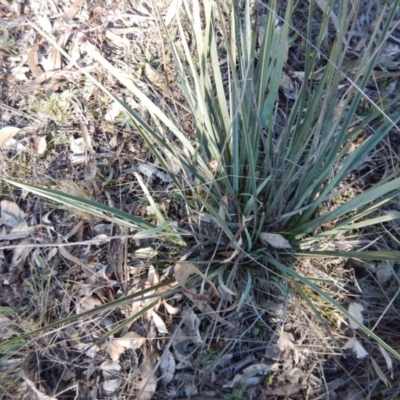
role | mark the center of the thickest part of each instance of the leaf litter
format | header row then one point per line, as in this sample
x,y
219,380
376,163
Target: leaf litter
x,y
190,316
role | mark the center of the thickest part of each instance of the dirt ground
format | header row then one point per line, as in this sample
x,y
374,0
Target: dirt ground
x,y
59,129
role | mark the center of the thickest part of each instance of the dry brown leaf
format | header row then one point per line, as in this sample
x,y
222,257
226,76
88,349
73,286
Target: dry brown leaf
x,y
170,309
118,40
111,386
113,111
91,350
38,394
387,358
190,384
275,240
66,254
117,346
19,231
202,304
11,214
7,133
284,390
125,31
288,86
384,271
109,366
183,269
152,276
355,310
54,57
87,139
73,10
167,367
21,253
154,76
159,323
114,349
148,384
192,325
33,61
88,303
131,340
45,23
252,375
53,78
380,373
357,347
286,341
42,145
74,52
234,254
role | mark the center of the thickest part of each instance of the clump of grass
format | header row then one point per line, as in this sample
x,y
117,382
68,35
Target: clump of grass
x,y
248,174
56,108
7,43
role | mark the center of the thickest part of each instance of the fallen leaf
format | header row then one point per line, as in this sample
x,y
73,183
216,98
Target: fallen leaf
x,y
167,367
287,85
184,269
173,10
54,61
387,358
89,349
21,253
286,341
44,22
33,61
109,366
252,375
114,349
148,382
170,309
190,385
111,385
42,145
380,373
78,146
7,133
154,76
180,346
74,52
152,277
355,310
72,10
357,347
202,304
11,214
88,303
131,340
275,240
86,138
152,171
38,394
192,325
384,271
118,40
113,111
159,323
284,390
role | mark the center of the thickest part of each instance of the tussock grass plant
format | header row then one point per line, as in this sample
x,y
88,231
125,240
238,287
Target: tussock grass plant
x,y
254,167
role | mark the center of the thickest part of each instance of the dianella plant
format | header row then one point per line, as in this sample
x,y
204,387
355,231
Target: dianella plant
x,y
267,168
